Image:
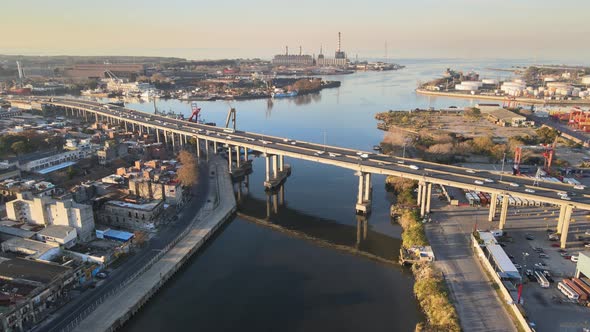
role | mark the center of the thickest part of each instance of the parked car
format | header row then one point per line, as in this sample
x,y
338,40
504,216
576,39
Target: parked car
x,y
529,237
574,258
541,255
101,275
541,265
548,276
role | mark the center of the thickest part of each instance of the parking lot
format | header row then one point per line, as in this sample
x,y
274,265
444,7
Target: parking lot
x,y
546,307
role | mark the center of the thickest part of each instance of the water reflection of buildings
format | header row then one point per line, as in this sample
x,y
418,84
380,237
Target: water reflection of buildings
x,y
272,211
298,100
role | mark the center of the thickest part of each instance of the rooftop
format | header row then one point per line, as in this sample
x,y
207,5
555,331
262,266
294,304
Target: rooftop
x,y
12,267
148,206
56,231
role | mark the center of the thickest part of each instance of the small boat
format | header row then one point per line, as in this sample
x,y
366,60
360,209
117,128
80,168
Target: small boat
x,y
377,147
281,94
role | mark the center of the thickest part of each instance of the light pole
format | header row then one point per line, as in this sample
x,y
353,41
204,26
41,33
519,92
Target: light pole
x,y
524,256
503,161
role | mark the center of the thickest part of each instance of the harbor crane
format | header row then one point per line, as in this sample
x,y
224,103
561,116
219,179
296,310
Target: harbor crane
x,y
196,110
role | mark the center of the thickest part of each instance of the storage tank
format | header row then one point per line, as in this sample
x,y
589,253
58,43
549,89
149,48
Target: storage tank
x,y
489,81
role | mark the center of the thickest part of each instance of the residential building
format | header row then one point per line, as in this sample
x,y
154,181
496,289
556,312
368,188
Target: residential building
x,y
29,288
63,235
130,213
47,211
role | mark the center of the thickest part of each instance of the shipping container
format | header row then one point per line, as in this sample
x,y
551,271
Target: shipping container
x,y
582,296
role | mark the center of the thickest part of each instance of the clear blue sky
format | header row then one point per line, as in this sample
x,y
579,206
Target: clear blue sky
x,y
229,28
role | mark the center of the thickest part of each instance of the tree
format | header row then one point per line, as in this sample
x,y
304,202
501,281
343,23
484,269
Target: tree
x,y
483,144
547,135
19,147
188,172
71,172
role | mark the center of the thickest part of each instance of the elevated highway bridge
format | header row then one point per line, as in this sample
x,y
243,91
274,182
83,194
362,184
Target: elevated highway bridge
x,y
178,133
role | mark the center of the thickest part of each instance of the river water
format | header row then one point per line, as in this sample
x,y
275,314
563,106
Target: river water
x,y
318,269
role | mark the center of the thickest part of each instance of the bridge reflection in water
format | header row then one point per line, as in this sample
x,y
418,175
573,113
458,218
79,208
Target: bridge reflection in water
x,y
274,213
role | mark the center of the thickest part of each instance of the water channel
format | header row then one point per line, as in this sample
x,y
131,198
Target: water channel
x,y
319,273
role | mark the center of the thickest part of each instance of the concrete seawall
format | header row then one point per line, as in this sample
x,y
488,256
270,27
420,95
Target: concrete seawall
x,y
502,98
117,309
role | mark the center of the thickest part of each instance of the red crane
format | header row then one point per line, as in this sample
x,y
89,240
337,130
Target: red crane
x,y
196,109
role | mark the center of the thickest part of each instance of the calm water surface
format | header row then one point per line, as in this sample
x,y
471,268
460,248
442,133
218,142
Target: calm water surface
x,y
255,278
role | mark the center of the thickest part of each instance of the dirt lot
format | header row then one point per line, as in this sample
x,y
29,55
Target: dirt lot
x,y
443,124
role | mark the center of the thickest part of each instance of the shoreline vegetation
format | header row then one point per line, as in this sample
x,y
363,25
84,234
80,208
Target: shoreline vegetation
x,y
429,284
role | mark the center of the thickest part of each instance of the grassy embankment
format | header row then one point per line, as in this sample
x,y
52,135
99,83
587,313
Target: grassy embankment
x,y
429,287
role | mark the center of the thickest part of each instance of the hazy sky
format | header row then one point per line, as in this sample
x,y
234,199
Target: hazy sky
x,y
260,28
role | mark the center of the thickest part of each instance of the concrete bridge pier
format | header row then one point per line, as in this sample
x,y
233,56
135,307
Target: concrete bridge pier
x,y
363,202
276,171
425,199
361,229
215,147
198,147
503,212
493,205
229,158
561,217
419,197
567,218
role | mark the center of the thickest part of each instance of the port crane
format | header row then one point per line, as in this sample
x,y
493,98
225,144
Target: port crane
x,y
196,110
548,153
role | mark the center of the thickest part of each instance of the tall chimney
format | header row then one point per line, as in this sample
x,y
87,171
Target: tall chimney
x,y
339,42
300,50
286,50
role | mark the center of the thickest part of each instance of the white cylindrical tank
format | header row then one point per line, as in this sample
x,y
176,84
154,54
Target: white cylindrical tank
x,y
489,81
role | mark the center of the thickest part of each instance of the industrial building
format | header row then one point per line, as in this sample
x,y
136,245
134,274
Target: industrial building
x,y
97,71
292,59
583,265
505,118
339,59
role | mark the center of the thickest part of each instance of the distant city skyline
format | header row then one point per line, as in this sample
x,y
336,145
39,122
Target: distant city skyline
x,y
260,28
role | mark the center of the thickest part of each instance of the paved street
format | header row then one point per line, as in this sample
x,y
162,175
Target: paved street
x,y
167,233
477,304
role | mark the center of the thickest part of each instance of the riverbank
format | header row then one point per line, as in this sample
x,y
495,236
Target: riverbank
x,y
117,308
530,101
429,287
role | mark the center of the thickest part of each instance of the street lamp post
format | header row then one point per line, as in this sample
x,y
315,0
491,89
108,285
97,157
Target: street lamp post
x,y
503,161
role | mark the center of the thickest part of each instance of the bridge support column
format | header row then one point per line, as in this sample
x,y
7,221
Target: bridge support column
x,y
281,162
423,200
504,212
245,154
198,147
367,194
566,225
267,160
172,138
96,116
133,126
207,149
275,203
157,134
493,205
419,198
166,138
238,156
274,165
229,157
215,147
360,193
561,218
428,196
363,203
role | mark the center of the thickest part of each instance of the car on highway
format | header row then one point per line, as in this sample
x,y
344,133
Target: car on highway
x,y
580,187
414,167
364,156
401,162
489,180
566,198
470,171
587,246
334,154
293,143
478,182
529,190
512,184
319,153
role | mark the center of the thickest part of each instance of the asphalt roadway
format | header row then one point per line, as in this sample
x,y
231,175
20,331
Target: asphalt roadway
x,y
447,175
63,316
